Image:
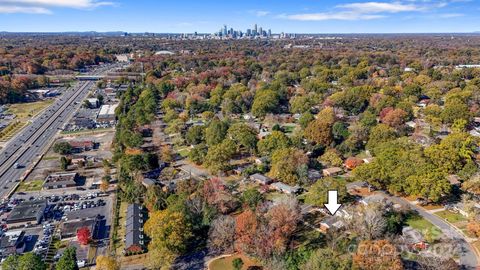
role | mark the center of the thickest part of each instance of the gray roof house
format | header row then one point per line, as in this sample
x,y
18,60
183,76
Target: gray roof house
x,y
260,178
285,188
135,238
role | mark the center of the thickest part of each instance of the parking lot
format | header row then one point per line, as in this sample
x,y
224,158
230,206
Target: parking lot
x,y
72,206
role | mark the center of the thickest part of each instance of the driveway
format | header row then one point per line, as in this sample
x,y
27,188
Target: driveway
x,y
468,257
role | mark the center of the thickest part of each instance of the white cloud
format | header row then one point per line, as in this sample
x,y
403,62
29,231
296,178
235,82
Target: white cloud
x,y
344,16
371,10
19,9
261,13
57,3
379,7
451,15
44,6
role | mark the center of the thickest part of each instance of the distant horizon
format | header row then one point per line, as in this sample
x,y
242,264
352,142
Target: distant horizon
x,y
207,33
208,16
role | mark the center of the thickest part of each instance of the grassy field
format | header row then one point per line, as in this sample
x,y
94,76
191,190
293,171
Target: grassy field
x,y
226,263
34,185
274,196
289,128
25,111
423,226
184,151
121,227
450,216
12,129
87,132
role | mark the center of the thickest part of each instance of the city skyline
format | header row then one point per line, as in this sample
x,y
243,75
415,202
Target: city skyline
x,y
186,16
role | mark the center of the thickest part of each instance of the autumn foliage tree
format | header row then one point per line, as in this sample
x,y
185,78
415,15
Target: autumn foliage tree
x,y
320,130
106,263
245,231
282,221
169,232
377,255
84,235
289,165
394,118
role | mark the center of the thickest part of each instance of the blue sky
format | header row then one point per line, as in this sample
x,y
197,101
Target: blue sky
x,y
206,16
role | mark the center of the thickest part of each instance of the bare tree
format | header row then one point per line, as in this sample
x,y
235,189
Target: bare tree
x,y
368,221
436,263
222,234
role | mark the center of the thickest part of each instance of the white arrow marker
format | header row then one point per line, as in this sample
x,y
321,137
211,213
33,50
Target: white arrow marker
x,y
332,204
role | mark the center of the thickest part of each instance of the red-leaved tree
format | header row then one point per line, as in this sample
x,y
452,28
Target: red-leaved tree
x,y
84,235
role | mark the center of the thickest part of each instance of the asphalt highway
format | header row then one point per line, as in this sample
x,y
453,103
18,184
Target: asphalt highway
x,y
34,139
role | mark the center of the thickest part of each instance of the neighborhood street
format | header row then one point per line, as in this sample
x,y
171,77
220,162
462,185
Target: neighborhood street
x,y
468,256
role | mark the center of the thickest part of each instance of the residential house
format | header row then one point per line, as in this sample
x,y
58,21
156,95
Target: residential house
x,y
333,171
331,222
76,159
135,238
372,199
352,162
279,186
261,179
261,160
148,182
314,174
413,238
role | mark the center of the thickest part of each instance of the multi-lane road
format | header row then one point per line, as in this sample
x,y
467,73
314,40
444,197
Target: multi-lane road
x,y
34,139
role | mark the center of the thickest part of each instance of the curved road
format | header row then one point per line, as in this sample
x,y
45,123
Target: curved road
x,y
468,257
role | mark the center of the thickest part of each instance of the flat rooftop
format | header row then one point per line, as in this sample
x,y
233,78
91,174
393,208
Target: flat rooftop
x,y
27,211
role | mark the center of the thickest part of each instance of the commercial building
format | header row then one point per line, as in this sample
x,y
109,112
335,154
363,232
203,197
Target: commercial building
x,y
61,180
106,115
12,242
69,229
27,213
94,102
81,146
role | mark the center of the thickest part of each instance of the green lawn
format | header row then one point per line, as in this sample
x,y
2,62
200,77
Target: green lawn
x,y
25,111
423,226
288,128
34,185
121,227
184,152
50,158
450,216
226,263
274,196
87,131
12,129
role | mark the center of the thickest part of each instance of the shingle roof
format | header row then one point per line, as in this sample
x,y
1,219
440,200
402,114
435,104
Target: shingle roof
x,y
134,226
